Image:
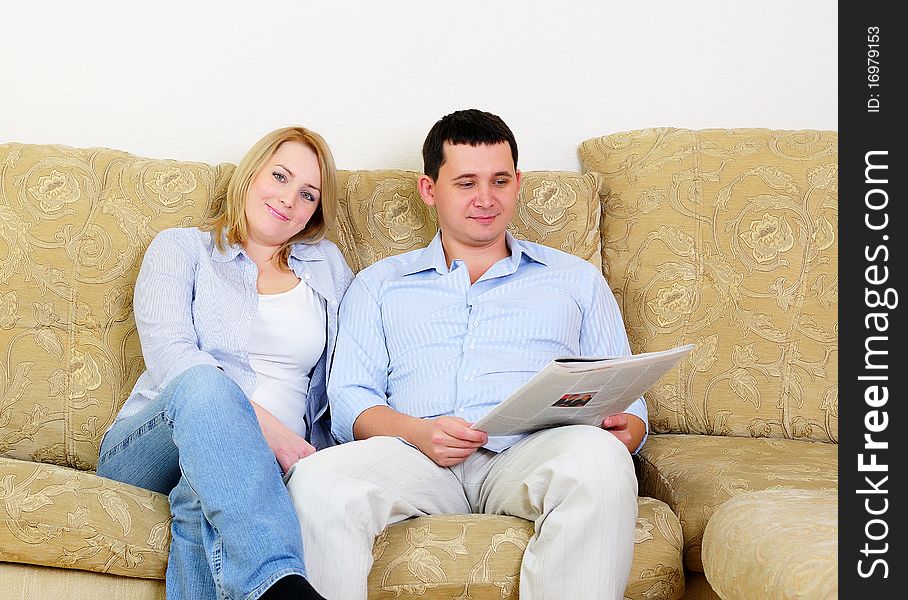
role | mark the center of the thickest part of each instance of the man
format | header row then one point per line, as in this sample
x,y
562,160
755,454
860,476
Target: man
x,y
432,339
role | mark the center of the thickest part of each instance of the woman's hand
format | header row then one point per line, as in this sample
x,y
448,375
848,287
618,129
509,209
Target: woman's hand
x,y
447,440
287,446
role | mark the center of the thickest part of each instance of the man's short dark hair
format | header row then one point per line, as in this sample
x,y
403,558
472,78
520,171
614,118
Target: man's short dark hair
x,y
473,127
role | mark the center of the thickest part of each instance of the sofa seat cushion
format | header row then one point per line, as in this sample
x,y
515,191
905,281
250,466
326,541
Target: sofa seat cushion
x,y
380,214
695,474
60,517
478,556
30,582
748,549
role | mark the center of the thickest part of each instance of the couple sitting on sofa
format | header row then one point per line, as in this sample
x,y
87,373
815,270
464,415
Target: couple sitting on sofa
x,y
240,321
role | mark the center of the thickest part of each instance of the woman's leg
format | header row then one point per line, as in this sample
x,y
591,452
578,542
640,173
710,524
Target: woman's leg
x,y
139,450
230,503
189,574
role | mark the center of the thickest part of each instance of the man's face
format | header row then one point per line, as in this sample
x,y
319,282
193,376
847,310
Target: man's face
x,y
474,195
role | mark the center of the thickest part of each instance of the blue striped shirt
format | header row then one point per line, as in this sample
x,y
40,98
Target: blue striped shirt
x,y
197,305
418,337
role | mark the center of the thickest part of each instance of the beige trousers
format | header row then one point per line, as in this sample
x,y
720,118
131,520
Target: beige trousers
x,y
576,483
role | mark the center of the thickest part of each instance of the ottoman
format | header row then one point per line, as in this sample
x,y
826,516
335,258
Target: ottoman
x,y
778,543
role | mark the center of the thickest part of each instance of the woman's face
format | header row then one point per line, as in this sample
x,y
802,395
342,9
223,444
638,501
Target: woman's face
x,y
283,195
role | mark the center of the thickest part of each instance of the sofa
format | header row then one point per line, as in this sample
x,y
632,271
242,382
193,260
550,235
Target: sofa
x,y
723,238
727,239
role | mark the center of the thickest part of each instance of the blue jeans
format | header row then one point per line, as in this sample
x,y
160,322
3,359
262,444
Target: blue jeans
x,y
235,531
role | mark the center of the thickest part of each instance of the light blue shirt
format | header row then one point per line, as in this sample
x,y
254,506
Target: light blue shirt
x,y
197,305
418,337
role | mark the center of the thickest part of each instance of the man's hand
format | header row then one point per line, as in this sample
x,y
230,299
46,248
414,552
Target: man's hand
x,y
628,428
447,440
288,447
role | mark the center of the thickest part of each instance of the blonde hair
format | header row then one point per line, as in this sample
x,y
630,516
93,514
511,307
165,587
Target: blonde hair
x,y
229,225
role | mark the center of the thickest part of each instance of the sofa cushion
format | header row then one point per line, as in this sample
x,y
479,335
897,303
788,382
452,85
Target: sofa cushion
x,y
748,549
478,556
381,214
60,517
74,224
28,582
695,474
726,238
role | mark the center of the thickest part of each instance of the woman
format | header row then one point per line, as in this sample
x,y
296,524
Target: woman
x,y
237,321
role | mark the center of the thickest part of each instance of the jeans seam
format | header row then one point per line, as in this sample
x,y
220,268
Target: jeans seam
x,y
215,560
129,439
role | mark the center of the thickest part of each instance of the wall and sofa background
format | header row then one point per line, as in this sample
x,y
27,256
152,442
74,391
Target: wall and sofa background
x,y
726,238
201,82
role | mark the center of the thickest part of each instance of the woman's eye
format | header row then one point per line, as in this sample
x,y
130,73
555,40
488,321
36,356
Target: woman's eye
x,y
308,196
280,176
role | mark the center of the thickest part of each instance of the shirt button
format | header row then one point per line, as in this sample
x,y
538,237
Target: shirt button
x,y
475,324
466,378
307,276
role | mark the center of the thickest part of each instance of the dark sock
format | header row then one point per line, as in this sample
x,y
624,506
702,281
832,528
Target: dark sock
x,y
291,587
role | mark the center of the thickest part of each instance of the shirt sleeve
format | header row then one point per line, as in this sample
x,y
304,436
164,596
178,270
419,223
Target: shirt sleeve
x,y
359,375
602,333
162,305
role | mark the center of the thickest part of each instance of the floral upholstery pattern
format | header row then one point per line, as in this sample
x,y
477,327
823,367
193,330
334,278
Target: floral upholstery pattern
x,y
74,224
454,557
727,239
381,214
61,517
748,550
696,474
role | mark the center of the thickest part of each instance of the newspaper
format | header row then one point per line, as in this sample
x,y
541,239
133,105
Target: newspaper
x,y
579,390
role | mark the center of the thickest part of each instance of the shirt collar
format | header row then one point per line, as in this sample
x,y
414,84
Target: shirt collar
x,y
299,251
433,255
518,248
430,257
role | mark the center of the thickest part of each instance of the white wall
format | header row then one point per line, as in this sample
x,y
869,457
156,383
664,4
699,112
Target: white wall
x,y
203,80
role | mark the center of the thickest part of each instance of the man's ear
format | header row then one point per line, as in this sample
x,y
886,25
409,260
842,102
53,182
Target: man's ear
x,y
426,189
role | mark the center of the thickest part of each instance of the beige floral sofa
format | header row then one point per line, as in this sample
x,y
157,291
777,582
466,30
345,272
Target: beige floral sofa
x,y
73,226
728,239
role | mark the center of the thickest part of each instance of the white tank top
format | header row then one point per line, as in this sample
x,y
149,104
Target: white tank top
x,y
287,340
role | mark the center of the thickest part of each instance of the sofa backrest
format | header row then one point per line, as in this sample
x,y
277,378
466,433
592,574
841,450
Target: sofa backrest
x,y
74,224
381,214
728,239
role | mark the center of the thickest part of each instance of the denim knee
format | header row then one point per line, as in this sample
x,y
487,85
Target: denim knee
x,y
194,391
